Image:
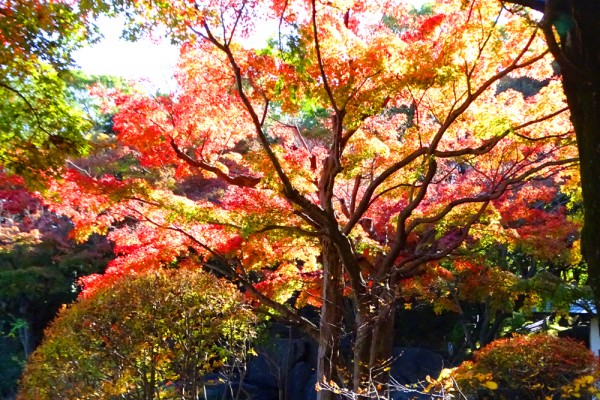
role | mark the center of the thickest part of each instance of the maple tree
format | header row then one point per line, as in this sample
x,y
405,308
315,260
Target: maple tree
x,y
363,145
496,284
491,300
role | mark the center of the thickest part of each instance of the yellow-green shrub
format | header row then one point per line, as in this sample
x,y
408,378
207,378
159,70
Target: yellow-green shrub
x,y
152,336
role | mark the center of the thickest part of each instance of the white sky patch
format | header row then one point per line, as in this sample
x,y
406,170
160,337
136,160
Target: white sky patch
x,y
144,59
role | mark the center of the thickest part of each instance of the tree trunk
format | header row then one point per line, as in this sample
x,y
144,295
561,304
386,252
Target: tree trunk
x,y
585,114
382,345
328,361
25,334
579,58
362,343
374,343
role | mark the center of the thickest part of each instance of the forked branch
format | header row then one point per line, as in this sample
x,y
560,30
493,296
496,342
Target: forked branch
x,y
240,180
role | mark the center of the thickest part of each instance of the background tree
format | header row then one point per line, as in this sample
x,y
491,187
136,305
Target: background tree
x,y
408,151
39,264
154,336
39,269
571,29
497,282
39,123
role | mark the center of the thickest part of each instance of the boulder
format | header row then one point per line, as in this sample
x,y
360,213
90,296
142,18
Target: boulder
x,y
301,382
413,364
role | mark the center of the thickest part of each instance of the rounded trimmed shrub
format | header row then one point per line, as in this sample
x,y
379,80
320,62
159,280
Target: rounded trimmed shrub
x,y
152,336
537,366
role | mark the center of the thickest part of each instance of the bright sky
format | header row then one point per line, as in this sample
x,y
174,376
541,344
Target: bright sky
x,y
143,59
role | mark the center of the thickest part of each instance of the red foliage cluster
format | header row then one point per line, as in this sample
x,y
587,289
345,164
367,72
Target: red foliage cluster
x,y
425,29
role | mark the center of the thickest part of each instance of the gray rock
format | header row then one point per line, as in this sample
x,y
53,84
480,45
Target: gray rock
x,y
412,364
301,381
262,372
274,361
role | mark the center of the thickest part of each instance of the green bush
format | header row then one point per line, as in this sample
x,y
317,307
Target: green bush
x,y
152,336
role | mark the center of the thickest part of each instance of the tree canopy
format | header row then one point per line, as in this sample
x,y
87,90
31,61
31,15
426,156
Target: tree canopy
x,y
361,147
40,124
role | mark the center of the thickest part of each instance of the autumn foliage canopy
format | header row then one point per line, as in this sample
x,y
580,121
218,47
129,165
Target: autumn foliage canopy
x,y
361,145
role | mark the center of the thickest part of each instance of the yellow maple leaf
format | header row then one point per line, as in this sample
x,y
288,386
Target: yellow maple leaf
x,y
490,385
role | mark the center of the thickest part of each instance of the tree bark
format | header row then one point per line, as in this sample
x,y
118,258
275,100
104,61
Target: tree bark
x,y
374,342
362,343
330,329
585,114
383,342
25,334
